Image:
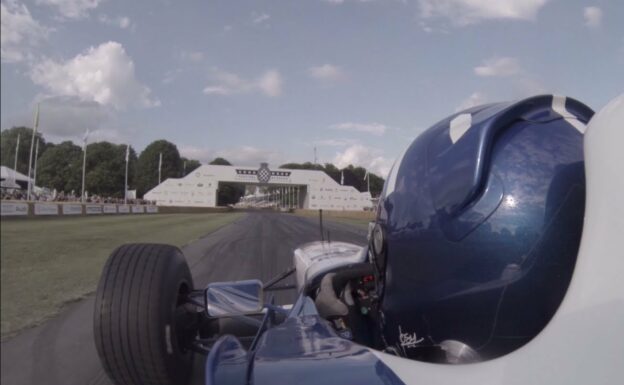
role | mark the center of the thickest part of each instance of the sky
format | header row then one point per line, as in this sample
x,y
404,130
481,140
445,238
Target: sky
x,y
270,81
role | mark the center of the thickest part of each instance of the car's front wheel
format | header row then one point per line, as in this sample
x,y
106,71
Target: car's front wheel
x,y
140,320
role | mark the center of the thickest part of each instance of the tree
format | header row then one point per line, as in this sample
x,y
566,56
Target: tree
x,y
8,140
303,166
147,165
191,165
220,162
353,176
60,167
106,168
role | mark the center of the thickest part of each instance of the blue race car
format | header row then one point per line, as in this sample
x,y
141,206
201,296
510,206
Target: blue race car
x,y
495,258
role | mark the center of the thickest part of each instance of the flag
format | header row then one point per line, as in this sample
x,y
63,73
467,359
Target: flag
x,y
365,175
127,153
342,177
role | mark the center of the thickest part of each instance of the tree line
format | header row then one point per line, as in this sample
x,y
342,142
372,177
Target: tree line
x,y
353,176
59,166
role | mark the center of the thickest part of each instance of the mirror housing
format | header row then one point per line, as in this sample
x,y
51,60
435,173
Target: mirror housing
x,y
235,298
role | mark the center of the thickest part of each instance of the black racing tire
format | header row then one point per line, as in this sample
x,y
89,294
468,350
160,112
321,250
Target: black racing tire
x,y
137,308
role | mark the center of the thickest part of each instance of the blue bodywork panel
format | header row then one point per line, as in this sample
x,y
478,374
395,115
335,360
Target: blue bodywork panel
x,y
303,350
306,351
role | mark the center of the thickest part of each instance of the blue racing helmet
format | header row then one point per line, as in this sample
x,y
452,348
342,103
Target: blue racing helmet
x,y
478,228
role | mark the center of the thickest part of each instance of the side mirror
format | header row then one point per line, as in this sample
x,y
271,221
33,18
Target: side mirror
x,y
225,299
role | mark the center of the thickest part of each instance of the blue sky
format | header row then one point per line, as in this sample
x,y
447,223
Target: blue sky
x,y
270,80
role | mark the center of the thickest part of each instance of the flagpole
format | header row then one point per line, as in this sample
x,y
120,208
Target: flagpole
x,y
35,170
126,180
84,164
159,167
32,145
16,152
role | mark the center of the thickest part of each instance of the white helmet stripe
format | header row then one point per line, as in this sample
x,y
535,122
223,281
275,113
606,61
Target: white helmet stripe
x,y
558,105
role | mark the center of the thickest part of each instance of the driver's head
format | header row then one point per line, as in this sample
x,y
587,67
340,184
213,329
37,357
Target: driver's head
x,y
478,227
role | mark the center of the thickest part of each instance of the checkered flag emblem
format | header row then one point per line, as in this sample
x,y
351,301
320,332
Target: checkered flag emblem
x,y
264,174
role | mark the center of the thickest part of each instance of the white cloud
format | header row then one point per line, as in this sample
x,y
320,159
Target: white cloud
x,y
103,74
465,12
499,67
475,99
19,32
72,9
228,83
260,18
367,157
326,72
593,16
370,128
122,22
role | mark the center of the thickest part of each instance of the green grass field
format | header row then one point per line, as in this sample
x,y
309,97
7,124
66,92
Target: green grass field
x,y
46,263
353,218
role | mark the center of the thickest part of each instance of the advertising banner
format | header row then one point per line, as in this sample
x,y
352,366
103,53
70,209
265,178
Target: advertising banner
x,y
46,209
93,209
11,209
72,209
109,209
152,209
137,209
123,209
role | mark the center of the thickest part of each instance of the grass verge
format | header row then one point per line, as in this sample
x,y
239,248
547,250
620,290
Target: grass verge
x,y
354,218
46,263
357,222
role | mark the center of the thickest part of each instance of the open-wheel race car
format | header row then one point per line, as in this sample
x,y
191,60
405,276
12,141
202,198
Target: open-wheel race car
x,y
495,258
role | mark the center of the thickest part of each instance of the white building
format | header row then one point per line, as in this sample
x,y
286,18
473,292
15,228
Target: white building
x,y
312,189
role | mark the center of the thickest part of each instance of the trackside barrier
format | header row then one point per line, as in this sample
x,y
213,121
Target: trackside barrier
x,y
72,209
14,209
46,209
93,209
109,209
32,209
137,209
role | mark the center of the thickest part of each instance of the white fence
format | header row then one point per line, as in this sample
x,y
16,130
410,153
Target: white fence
x,y
49,209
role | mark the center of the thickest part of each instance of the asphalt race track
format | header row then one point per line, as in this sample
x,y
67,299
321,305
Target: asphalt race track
x,y
259,245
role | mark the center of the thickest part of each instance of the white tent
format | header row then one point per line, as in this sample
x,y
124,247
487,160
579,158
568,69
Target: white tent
x,y
11,179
